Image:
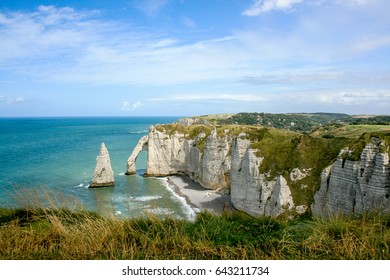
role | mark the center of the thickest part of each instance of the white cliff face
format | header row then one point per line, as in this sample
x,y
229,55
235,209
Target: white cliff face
x,y
215,162
159,153
251,191
224,162
103,176
175,154
166,154
352,187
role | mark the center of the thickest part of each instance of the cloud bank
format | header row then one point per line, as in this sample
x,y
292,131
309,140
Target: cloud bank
x,y
263,6
325,51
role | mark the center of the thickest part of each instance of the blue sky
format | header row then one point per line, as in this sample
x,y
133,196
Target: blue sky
x,y
193,57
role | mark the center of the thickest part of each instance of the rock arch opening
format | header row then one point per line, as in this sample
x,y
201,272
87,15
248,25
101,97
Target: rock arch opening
x,y
141,146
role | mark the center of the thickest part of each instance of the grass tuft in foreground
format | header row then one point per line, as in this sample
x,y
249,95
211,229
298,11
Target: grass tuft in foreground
x,y
65,234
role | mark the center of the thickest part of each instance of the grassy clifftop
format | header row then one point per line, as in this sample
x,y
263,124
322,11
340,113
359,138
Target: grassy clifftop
x,y
303,122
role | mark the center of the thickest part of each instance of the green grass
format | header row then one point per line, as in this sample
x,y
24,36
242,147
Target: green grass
x,y
285,150
350,131
65,234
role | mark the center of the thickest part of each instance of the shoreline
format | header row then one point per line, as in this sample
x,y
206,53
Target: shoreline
x,y
197,197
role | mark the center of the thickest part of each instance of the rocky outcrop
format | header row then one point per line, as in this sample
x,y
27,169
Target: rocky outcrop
x,y
296,174
352,187
141,146
215,162
251,191
103,176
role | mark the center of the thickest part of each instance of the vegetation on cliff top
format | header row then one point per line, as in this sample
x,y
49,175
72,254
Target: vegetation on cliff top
x,y
65,234
302,122
294,122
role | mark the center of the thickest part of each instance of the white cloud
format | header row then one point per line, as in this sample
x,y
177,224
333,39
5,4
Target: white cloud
x,y
262,6
80,49
151,7
10,100
62,45
46,33
353,97
166,42
188,22
127,106
217,98
354,2
371,43
320,76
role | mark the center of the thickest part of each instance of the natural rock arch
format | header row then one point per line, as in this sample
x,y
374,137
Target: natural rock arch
x,y
141,146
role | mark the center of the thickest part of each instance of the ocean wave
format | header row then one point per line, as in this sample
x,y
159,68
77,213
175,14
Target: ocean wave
x,y
160,211
120,199
121,174
139,132
146,198
188,210
81,185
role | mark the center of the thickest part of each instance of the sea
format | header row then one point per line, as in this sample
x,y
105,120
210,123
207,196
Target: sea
x,y
49,162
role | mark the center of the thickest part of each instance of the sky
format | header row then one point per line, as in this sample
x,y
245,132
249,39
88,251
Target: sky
x,y
193,57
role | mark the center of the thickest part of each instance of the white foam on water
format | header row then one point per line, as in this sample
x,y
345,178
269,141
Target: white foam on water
x,y
188,210
139,132
120,199
160,211
121,174
81,185
147,198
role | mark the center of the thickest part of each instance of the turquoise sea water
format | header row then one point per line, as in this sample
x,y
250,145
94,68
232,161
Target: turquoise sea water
x,y
59,155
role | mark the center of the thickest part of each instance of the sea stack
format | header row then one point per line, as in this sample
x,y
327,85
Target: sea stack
x,y
103,176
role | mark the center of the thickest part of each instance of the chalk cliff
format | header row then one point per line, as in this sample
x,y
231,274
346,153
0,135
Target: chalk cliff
x,y
251,191
228,159
352,187
103,176
204,158
215,163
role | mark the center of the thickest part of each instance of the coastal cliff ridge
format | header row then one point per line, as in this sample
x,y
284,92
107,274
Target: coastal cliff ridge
x,y
336,168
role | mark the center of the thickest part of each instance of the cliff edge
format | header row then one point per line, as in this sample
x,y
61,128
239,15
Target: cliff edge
x,y
273,172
